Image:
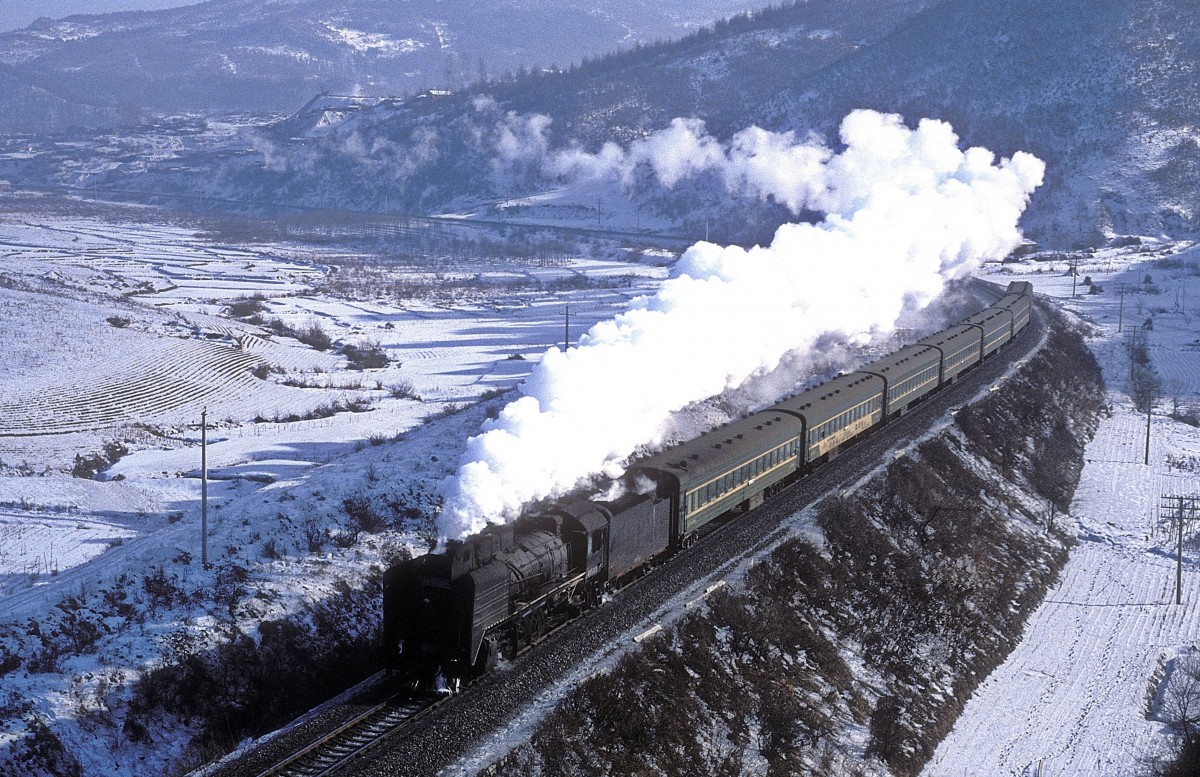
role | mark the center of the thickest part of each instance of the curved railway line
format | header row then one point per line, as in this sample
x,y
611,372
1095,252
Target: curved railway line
x,y
443,731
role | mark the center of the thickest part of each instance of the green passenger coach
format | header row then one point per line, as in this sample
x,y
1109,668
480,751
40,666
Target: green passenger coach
x,y
727,467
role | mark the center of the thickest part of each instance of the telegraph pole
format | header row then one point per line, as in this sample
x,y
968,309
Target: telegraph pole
x,y
1149,407
1179,557
1121,310
566,328
1184,507
204,487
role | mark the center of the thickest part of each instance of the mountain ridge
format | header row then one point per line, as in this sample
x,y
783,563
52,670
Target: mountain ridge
x,y
242,55
1103,92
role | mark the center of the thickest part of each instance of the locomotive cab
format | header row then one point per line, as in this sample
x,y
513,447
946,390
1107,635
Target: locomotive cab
x,y
583,527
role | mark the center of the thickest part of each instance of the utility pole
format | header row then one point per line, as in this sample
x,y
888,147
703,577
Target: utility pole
x,y
1149,407
1185,507
1179,557
1121,310
566,328
204,488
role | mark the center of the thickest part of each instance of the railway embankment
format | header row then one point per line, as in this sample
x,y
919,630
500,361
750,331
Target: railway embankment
x,y
853,646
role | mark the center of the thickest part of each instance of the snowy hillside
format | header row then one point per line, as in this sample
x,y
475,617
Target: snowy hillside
x,y
1102,93
479,151
31,109
120,328
1103,662
234,55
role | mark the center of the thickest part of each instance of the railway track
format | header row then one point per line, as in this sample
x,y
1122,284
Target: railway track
x,y
356,736
442,737
453,736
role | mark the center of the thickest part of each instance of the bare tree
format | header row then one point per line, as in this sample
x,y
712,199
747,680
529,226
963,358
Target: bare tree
x,y
1144,384
1181,699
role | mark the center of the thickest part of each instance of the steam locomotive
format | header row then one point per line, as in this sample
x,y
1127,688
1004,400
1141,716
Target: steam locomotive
x,y
451,615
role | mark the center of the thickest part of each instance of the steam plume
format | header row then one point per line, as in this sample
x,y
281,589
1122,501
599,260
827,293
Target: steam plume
x,y
907,210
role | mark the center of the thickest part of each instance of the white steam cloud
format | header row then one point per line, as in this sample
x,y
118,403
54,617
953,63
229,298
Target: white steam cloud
x,y
907,210
755,162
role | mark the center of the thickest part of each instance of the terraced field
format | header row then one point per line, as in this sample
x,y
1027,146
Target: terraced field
x,y
160,382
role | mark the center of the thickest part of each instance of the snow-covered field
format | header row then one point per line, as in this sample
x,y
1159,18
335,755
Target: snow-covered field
x,y
117,336
1078,695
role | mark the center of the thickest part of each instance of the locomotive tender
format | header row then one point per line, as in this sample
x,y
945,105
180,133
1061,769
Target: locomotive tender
x,y
497,591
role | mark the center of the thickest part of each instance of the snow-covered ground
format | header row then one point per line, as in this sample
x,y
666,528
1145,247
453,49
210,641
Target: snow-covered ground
x,y
1075,697
118,335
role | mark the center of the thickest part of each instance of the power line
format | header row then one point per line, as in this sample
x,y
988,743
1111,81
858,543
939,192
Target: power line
x,y
1185,508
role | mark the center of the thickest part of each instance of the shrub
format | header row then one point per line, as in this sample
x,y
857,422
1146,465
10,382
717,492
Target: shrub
x,y
363,515
1187,414
231,691
244,307
315,534
42,752
368,356
315,337
8,661
89,465
161,590
404,389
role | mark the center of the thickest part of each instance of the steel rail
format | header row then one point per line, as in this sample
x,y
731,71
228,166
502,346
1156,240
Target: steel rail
x,y
334,749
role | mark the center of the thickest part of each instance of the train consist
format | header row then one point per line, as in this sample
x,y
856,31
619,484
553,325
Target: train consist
x,y
497,591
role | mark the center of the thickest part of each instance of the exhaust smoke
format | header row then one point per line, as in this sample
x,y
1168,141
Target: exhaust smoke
x,y
906,211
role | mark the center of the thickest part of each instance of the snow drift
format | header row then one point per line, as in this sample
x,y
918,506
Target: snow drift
x,y
906,211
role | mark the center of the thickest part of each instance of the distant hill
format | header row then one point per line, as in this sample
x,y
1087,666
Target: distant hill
x,y
438,152
28,109
271,56
1108,93
1105,92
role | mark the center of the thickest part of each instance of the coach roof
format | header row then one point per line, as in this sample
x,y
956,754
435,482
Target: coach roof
x,y
724,448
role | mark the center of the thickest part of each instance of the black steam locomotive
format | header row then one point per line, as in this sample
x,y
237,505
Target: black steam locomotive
x,y
500,590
